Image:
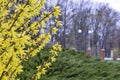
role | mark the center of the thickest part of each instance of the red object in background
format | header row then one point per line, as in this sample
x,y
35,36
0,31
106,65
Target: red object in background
x,y
88,52
102,54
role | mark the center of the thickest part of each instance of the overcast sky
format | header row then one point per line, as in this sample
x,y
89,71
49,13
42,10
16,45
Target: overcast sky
x,y
112,3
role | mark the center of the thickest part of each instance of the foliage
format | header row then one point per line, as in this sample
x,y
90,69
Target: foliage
x,y
71,65
22,38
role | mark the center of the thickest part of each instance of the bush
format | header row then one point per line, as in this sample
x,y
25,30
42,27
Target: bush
x,y
72,65
22,36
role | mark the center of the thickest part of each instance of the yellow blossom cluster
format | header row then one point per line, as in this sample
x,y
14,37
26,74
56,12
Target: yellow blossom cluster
x,y
19,37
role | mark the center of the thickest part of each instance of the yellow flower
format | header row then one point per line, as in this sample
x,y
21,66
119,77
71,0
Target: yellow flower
x,y
54,52
57,11
19,7
47,64
38,76
54,30
43,71
53,59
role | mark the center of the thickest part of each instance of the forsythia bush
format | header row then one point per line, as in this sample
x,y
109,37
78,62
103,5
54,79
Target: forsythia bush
x,y
21,38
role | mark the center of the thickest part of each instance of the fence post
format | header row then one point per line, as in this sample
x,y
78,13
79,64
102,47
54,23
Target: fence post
x,y
111,53
102,54
114,55
88,52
